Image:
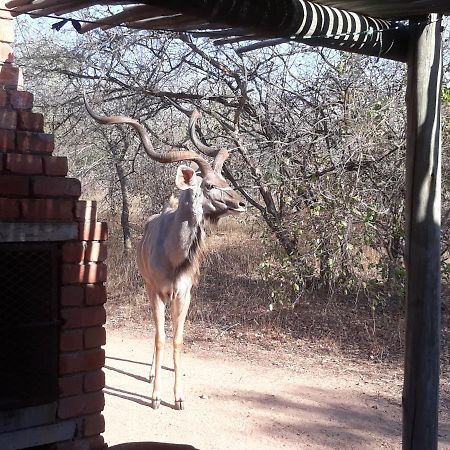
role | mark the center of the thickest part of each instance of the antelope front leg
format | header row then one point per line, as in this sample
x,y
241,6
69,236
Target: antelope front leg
x,y
180,308
151,376
158,307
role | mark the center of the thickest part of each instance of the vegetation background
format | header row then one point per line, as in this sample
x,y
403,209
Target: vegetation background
x,y
318,147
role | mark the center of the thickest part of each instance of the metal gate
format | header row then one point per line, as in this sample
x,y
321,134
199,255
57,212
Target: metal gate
x,y
28,324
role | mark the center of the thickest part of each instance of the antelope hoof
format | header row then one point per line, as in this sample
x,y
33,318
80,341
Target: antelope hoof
x,y
156,403
179,405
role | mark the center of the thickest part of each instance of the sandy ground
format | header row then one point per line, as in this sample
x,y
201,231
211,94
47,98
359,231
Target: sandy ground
x,y
242,395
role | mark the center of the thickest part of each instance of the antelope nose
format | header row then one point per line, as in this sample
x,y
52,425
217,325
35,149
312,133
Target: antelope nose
x,y
242,204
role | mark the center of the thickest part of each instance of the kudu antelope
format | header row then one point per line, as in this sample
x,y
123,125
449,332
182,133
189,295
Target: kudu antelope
x,y
168,255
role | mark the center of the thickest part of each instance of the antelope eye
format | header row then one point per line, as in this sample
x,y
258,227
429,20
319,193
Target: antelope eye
x,y
209,186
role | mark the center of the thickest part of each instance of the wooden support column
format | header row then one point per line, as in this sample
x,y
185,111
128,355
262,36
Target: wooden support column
x,y
423,211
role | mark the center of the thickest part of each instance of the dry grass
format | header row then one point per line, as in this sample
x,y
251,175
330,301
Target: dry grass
x,y
233,298
127,299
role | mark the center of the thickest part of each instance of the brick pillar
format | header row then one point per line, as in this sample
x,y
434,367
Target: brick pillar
x,y
35,189
36,194
83,295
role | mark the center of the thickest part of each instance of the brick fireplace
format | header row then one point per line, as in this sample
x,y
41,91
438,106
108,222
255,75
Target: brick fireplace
x,y
52,275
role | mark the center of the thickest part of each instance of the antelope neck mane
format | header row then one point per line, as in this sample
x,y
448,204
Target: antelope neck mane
x,y
195,253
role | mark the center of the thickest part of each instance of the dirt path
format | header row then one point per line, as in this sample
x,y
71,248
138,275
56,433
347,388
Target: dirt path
x,y
242,396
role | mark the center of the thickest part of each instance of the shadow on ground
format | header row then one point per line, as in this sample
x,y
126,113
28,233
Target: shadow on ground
x,y
330,421
264,406
131,396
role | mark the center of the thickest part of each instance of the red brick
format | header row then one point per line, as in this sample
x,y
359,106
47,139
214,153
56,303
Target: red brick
x,y
79,444
94,231
21,99
94,337
7,140
72,317
94,381
33,142
98,443
10,75
90,443
95,294
47,209
23,164
81,361
8,119
96,252
56,187
80,405
55,166
72,385
95,402
86,211
9,209
74,252
71,406
71,340
77,252
3,98
95,443
94,316
72,295
14,185
93,425
83,317
6,53
30,121
84,273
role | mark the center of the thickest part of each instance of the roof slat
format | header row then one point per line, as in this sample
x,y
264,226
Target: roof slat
x,y
32,6
54,7
127,15
174,22
65,8
16,3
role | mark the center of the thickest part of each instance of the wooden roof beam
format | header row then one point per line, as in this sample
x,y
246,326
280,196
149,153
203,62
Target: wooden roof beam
x,y
128,14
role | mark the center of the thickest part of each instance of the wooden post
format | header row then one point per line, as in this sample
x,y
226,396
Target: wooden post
x,y
423,210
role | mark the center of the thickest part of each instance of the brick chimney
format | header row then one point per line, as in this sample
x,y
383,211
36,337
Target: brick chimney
x,y
52,275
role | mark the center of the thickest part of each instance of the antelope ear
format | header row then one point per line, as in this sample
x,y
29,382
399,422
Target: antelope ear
x,y
185,178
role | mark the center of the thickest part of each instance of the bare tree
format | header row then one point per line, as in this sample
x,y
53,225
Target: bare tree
x,y
319,138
